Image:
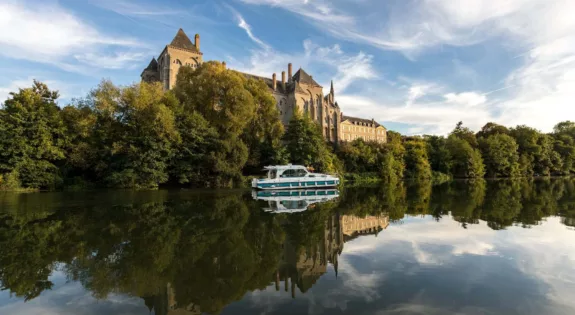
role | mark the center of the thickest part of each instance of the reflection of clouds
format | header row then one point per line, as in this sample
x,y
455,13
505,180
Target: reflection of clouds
x,y
428,267
72,299
547,252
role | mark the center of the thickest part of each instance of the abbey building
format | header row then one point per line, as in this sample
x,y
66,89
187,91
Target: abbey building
x,y
298,90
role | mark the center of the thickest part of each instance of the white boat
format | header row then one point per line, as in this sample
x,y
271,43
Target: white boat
x,y
292,201
293,177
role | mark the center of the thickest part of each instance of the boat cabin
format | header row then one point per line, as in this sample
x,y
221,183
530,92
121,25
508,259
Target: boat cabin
x,y
290,171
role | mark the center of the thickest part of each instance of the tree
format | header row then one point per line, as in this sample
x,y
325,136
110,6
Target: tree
x,y
491,129
439,157
393,161
500,155
32,137
306,145
133,135
219,95
263,134
466,134
416,160
466,161
535,150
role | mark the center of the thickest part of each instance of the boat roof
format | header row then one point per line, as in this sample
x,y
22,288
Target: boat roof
x,y
284,167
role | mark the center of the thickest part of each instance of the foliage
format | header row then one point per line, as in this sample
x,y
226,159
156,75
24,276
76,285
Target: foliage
x,y
465,134
466,161
500,155
306,145
32,137
416,160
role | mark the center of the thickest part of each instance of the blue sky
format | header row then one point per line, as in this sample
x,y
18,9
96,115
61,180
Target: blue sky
x,y
417,66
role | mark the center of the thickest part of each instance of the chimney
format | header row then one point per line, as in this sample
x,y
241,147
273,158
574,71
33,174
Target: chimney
x,y
290,75
275,84
284,80
197,42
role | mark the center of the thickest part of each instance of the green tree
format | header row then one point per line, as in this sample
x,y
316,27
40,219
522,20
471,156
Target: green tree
x,y
500,155
263,134
32,137
135,133
439,157
392,164
306,145
466,134
416,160
491,129
466,161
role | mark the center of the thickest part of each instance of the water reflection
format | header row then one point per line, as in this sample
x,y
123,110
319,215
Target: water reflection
x,y
212,252
290,201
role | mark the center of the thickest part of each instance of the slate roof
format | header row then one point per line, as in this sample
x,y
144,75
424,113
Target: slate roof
x,y
302,77
270,83
181,40
360,120
153,65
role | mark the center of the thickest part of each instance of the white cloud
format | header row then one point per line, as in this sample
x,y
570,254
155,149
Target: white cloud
x,y
346,68
538,93
118,60
47,33
465,99
248,29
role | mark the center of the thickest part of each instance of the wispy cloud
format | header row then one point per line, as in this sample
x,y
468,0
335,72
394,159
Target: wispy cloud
x,y
247,28
47,33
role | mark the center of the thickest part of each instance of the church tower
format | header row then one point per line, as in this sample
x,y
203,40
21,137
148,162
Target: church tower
x,y
180,52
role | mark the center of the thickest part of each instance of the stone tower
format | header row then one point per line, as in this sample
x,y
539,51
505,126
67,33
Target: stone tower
x,y
180,52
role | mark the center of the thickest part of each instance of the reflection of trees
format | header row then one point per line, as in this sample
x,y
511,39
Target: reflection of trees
x,y
502,205
464,199
207,250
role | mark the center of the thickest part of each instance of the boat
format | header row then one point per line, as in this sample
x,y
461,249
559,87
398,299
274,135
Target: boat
x,y
293,177
292,201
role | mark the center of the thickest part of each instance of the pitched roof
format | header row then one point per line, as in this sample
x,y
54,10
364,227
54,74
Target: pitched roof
x,y
360,120
181,40
302,77
270,83
153,65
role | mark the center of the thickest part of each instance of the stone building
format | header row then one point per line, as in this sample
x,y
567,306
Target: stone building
x,y
297,90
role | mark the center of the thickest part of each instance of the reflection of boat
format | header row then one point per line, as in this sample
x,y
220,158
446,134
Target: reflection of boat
x,y
293,177
280,201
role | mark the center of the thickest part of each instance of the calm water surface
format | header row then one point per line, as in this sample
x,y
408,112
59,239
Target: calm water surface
x,y
496,247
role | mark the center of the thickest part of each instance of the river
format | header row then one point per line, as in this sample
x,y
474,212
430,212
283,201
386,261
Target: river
x,y
495,247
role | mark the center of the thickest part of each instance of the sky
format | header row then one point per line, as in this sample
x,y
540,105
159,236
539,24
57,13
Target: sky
x,y
416,66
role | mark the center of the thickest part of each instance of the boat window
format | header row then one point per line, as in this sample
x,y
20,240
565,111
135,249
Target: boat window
x,y
294,204
288,173
272,174
300,173
294,173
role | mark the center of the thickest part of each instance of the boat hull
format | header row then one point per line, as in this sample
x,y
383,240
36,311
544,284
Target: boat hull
x,y
295,184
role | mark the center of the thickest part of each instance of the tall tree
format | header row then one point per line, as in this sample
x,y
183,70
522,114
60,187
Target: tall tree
x,y
466,134
416,159
500,155
466,161
32,137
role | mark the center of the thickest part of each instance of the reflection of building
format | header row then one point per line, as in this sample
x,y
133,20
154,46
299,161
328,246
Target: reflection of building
x,y
299,90
353,226
165,303
303,268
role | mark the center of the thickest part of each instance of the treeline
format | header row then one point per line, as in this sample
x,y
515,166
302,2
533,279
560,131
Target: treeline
x,y
214,127
494,152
